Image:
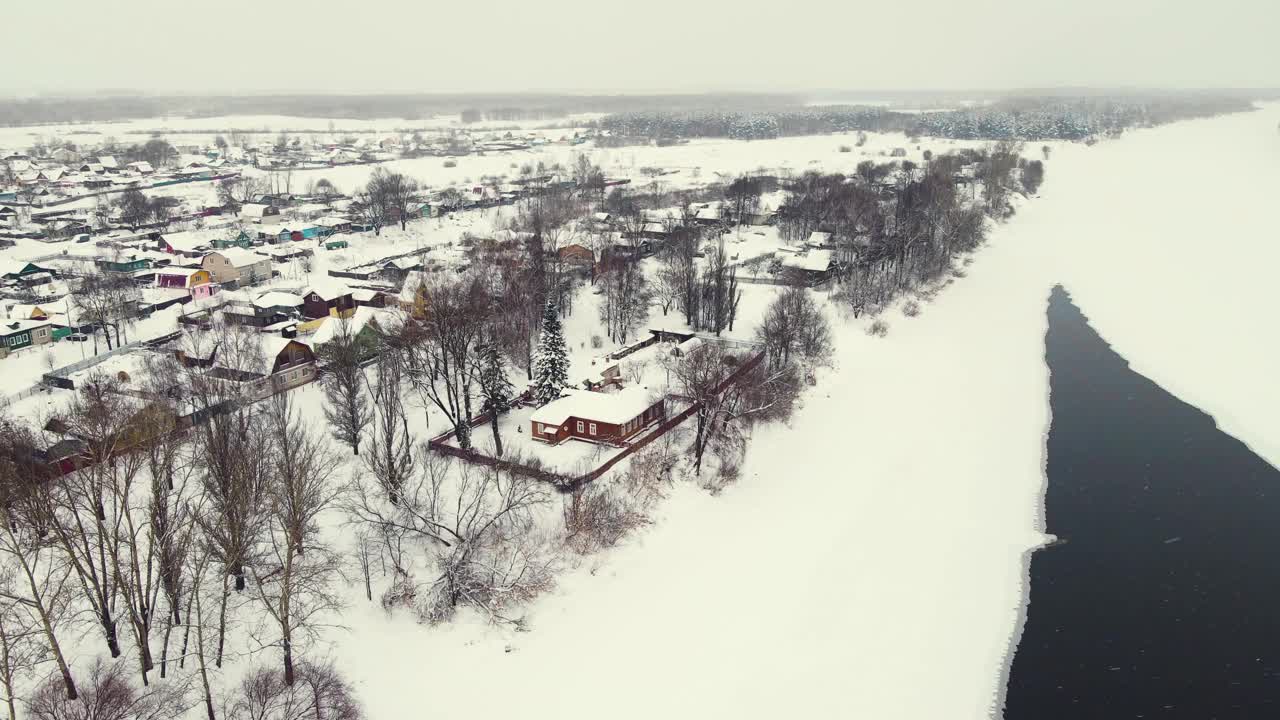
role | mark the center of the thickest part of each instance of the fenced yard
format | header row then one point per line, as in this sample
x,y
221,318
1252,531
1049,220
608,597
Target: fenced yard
x,y
564,466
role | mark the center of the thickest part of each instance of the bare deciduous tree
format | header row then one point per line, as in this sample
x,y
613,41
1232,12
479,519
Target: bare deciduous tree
x,y
295,575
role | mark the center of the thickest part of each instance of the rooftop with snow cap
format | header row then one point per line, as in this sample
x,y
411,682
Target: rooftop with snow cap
x,y
614,408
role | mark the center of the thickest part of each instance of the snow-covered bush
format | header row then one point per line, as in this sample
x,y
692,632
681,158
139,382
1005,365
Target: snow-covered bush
x,y
911,308
879,328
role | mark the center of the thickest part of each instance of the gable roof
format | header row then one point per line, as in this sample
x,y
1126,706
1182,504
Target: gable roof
x,y
327,288
187,241
239,257
613,408
409,289
9,327
811,261
357,322
277,298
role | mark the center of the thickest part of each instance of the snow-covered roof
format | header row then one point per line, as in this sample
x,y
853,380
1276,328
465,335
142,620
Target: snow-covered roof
x,y
327,288
811,261
412,281
20,325
690,345
332,221
818,239
614,408
187,241
358,320
254,209
405,263
239,257
108,161
272,229
141,166
708,213
277,298
25,312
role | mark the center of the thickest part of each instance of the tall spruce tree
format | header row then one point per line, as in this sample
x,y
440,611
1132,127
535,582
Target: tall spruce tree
x,y
551,367
496,389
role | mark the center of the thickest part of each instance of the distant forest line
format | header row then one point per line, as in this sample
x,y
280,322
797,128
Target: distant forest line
x,y
477,107
1050,115
1015,118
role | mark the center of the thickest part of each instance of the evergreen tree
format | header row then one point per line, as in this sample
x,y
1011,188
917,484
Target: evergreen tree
x,y
496,389
551,367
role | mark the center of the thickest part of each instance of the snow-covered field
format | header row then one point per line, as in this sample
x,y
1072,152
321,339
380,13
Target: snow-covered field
x,y
871,560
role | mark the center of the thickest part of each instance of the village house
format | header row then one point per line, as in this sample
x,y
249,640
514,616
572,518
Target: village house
x,y
65,156
709,215
333,225
249,314
410,298
812,266
142,167
28,312
236,265
286,253
284,364
603,417
280,302
367,297
27,273
365,326
195,281
260,213
327,298
18,334
577,256
125,264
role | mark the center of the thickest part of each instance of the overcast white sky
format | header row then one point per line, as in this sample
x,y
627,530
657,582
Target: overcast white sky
x,y
199,46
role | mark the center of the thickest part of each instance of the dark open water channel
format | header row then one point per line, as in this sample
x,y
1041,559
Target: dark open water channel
x,y
1164,601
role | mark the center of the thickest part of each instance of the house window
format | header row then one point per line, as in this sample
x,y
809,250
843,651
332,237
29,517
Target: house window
x,y
592,429
579,426
537,427
293,375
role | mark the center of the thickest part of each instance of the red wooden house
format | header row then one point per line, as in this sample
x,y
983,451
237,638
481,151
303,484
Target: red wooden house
x,y
603,417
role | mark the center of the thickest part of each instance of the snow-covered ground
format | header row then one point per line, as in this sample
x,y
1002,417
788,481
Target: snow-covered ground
x,y
871,561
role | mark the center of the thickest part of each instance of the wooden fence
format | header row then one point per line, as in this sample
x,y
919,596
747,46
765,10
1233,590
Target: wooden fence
x,y
567,484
